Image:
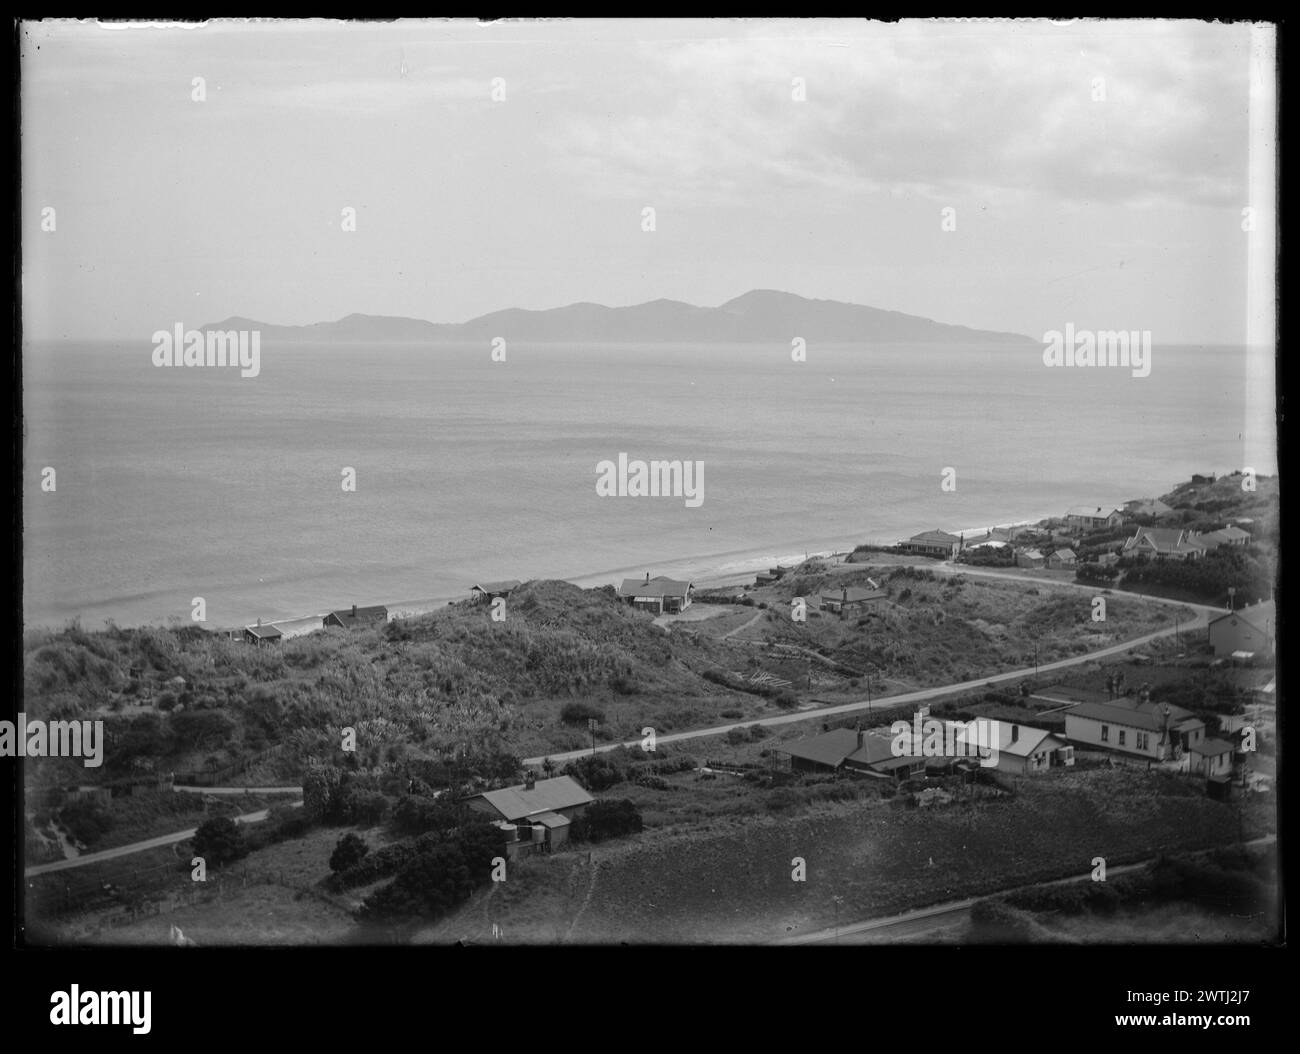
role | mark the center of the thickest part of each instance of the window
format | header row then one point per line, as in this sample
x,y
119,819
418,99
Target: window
x,y
1105,733
1121,737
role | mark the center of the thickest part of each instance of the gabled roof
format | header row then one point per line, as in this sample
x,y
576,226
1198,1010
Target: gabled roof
x,y
1065,554
1165,540
1148,716
1033,554
1095,511
263,631
371,614
829,748
497,587
1211,748
934,538
656,587
545,797
1262,616
1027,740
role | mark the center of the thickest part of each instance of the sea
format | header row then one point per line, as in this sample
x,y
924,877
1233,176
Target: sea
x,y
171,484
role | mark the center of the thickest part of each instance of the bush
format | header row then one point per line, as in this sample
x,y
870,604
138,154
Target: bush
x,y
219,841
439,878
87,821
596,772
580,713
349,851
605,819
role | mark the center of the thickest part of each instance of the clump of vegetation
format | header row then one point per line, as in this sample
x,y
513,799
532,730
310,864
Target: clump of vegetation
x,y
602,820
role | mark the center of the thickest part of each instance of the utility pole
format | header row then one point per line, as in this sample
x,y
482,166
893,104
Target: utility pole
x,y
591,727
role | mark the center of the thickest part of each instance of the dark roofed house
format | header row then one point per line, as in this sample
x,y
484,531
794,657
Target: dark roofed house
x,y
932,543
851,598
1130,725
1229,535
852,750
1030,558
488,591
544,808
260,634
659,595
346,619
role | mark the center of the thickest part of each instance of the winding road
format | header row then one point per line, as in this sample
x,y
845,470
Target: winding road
x,y
1203,611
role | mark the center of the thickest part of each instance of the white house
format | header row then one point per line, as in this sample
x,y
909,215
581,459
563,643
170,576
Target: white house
x,y
1249,629
1156,731
1022,751
1094,516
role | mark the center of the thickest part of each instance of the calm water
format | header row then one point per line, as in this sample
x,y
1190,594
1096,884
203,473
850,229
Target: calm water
x,y
177,483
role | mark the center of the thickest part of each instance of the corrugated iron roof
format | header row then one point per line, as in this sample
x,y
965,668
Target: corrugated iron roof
x,y
545,796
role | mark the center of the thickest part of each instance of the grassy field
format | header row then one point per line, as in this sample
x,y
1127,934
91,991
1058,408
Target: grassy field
x,y
729,880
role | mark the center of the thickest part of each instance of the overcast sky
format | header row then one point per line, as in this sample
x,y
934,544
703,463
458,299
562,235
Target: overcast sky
x,y
1123,213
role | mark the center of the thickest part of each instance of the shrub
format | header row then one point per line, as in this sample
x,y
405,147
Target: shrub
x,y
596,772
349,851
87,821
219,841
580,713
606,819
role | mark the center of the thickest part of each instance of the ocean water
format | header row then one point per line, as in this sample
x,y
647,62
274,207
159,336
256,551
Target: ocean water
x,y
181,483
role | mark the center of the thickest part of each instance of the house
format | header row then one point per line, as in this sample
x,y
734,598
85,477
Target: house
x,y
1249,629
260,634
1021,750
1130,725
853,750
932,543
1091,517
660,595
1211,757
1229,535
1203,477
1062,560
1030,558
357,617
486,592
535,814
848,599
1164,543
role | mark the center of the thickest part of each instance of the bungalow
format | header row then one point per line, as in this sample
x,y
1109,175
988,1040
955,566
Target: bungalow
x,y
260,634
660,595
847,599
357,617
1094,516
1022,751
853,750
541,808
1229,535
489,591
1062,560
1249,629
1164,543
1156,731
932,543
1211,757
1030,558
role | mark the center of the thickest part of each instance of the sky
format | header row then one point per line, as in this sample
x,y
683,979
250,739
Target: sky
x,y
1097,172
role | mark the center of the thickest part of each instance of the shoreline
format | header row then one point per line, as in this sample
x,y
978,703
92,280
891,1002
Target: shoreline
x,y
713,570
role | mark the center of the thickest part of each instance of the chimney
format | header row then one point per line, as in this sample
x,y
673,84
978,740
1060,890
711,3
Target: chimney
x,y
1015,733
530,780
844,594
354,611
647,578
862,738
259,621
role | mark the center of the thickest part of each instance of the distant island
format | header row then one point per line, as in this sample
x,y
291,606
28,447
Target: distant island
x,y
759,316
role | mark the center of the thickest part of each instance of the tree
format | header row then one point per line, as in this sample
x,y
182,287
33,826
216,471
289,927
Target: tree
x,y
219,841
349,851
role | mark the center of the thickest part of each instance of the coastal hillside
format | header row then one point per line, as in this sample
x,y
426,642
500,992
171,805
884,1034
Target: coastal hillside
x,y
759,316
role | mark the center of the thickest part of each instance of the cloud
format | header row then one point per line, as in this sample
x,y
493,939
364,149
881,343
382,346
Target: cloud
x,y
948,112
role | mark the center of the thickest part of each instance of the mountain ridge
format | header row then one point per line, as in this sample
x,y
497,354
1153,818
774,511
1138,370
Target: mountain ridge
x,y
758,316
